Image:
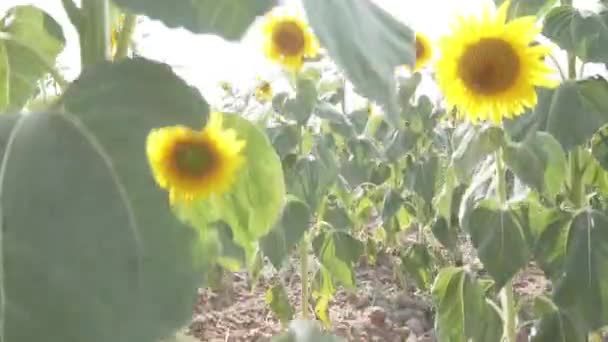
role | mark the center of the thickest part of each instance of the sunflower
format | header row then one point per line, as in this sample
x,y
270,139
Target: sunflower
x,y
263,92
194,164
424,51
489,68
288,39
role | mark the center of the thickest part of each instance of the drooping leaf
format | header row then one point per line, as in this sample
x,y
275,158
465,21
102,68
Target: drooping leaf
x,y
462,311
227,18
295,220
120,103
556,325
285,138
337,251
322,291
30,41
367,43
309,180
539,162
421,178
581,32
418,264
337,216
582,289
300,108
391,204
549,227
276,298
71,251
472,145
499,240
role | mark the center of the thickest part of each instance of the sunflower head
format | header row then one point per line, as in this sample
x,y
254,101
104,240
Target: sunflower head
x,y
263,92
489,68
288,39
424,51
194,164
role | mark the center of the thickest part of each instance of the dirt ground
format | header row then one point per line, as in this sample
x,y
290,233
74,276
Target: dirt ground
x,y
379,310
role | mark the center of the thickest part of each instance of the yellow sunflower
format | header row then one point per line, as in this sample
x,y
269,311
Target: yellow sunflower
x,y
424,51
194,164
263,92
288,39
488,67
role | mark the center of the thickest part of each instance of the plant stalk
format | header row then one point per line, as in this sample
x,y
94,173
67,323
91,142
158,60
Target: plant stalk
x,y
304,275
124,37
507,300
94,32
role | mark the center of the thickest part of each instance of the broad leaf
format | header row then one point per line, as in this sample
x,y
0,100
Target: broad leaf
x,y
581,32
556,325
120,103
227,18
472,145
276,298
30,41
285,138
287,232
300,108
421,178
522,8
337,251
582,289
418,264
550,230
499,240
462,311
71,250
309,180
367,43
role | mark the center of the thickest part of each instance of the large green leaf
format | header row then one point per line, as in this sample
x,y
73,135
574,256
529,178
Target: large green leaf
x,y
556,325
550,230
300,108
472,145
287,232
521,8
581,32
572,113
337,251
367,43
309,180
277,299
462,311
582,289
421,177
254,202
120,103
227,18
30,41
538,161
71,251
499,240
418,264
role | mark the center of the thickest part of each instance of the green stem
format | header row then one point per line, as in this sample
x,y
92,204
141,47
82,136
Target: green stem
x,y
304,275
506,293
94,32
124,37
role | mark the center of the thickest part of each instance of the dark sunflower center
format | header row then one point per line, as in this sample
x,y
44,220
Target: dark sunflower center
x,y
289,38
489,66
419,49
193,158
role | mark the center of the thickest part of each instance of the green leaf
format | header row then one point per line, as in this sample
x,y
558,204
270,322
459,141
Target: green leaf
x,y
295,220
391,204
309,180
227,18
232,255
338,121
499,240
254,202
600,147
367,43
120,103
322,291
472,145
585,100
582,289
462,311
276,298
539,162
285,138
445,233
30,41
550,229
306,331
582,32
337,216
401,142
337,251
417,262
421,177
522,8
71,249
556,325
300,108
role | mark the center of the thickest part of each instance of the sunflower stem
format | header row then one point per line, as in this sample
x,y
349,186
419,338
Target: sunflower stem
x,y
506,293
94,32
124,37
304,275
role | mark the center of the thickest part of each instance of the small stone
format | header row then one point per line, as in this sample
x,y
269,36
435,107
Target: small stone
x,y
415,326
377,316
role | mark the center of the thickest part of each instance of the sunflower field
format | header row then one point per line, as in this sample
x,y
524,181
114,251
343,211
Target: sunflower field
x,y
346,205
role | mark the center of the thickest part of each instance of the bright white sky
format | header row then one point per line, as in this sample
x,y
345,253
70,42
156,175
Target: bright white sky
x,y
204,60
